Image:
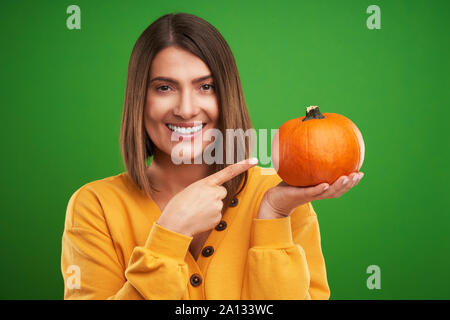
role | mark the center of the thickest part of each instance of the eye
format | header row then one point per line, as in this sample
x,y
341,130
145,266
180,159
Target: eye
x,y
163,88
208,87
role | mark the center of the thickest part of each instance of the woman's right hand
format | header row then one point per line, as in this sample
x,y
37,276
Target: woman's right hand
x,y
198,208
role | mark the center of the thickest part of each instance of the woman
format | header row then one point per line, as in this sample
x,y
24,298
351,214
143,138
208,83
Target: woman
x,y
191,230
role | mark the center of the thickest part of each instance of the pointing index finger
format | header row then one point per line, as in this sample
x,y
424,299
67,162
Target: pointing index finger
x,y
232,171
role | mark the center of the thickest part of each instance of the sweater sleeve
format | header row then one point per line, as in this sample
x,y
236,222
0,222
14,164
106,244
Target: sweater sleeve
x,y
91,268
285,260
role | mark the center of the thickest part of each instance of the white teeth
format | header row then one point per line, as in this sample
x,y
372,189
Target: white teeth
x,y
185,130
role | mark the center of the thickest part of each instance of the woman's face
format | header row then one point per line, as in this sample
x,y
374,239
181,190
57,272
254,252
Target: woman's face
x,y
181,103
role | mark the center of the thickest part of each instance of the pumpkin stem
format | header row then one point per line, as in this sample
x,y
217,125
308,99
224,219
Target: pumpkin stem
x,y
313,112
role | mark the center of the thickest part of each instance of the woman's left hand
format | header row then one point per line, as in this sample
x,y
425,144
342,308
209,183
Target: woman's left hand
x,y
281,200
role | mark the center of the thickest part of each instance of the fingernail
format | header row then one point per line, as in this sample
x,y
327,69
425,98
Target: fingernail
x,y
253,161
325,188
356,177
345,181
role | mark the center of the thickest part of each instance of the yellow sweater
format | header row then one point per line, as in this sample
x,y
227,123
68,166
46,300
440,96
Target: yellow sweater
x,y
112,248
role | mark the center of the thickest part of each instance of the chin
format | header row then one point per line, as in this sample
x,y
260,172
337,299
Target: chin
x,y
185,150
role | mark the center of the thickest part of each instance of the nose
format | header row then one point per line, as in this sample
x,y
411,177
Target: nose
x,y
186,107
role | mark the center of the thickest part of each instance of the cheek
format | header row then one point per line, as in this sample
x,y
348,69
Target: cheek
x,y
152,120
155,109
149,120
213,113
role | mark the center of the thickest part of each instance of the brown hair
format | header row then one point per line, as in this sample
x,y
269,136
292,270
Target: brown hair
x,y
197,36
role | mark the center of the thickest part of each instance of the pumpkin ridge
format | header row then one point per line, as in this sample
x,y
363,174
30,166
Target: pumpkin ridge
x,y
359,142
307,149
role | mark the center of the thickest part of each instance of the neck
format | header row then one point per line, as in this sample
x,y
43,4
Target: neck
x,y
171,178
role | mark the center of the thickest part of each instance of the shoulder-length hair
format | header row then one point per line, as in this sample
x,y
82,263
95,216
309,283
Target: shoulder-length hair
x,y
197,36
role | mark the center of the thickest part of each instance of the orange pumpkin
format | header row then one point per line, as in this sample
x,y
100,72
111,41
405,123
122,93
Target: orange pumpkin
x,y
317,148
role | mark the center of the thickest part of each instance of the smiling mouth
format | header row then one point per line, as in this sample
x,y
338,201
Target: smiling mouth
x,y
185,130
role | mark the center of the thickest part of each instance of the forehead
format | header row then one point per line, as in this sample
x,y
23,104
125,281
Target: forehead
x,y
177,63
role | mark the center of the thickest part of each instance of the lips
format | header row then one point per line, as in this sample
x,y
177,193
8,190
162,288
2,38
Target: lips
x,y
185,131
186,124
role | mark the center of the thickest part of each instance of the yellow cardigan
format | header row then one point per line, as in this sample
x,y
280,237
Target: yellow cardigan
x,y
112,248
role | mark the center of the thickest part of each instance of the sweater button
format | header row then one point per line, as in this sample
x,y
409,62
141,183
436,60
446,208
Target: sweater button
x,y
207,251
196,280
221,226
234,202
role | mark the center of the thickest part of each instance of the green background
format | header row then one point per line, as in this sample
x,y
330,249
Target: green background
x,y
62,98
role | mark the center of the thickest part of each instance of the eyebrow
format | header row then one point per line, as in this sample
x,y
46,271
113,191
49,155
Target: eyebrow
x,y
176,82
